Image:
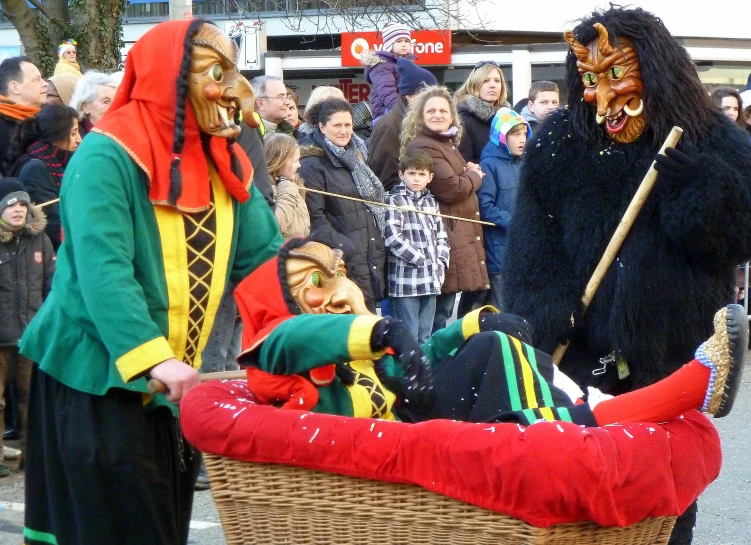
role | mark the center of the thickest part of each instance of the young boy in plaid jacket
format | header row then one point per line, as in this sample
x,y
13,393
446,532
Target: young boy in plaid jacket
x,y
418,246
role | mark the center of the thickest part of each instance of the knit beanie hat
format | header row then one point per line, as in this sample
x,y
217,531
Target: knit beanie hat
x,y
504,120
362,116
67,45
412,78
65,84
11,192
392,32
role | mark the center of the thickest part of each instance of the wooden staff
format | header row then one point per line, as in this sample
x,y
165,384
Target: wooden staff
x,y
158,387
620,233
53,201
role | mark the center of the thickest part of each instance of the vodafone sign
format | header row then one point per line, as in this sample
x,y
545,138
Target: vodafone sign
x,y
430,46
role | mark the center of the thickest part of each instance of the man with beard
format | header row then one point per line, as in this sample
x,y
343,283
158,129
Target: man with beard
x,y
159,213
629,81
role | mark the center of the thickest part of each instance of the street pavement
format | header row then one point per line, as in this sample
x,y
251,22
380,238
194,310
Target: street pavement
x,y
723,508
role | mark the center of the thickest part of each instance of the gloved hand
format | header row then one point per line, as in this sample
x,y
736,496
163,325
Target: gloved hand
x,y
677,167
574,324
510,324
417,383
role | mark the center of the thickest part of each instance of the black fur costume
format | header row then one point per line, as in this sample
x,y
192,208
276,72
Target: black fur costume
x,y
677,265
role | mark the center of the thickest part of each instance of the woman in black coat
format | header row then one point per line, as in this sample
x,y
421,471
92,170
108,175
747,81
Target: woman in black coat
x,y
335,163
477,101
39,152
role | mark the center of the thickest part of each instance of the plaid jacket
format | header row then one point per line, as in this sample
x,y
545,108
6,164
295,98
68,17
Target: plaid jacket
x,y
418,244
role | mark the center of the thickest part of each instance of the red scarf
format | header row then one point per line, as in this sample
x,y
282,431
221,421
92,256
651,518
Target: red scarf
x,y
141,119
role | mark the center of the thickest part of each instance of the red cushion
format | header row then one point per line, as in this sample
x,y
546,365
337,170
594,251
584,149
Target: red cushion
x,y
545,474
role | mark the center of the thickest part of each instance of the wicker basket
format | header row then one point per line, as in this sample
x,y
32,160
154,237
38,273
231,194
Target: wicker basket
x,y
269,504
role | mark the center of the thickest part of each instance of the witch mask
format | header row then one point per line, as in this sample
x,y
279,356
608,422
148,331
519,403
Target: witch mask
x,y
216,89
318,281
612,81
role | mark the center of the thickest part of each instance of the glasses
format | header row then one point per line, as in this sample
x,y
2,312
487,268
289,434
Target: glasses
x,y
281,97
483,63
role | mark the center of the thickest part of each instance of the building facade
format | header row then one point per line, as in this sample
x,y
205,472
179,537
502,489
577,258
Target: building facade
x,y
301,40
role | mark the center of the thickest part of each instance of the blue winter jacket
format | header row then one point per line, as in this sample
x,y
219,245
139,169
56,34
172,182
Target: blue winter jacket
x,y
497,196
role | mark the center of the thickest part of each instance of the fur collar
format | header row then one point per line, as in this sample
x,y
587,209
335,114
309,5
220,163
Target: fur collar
x,y
369,58
476,107
311,151
34,227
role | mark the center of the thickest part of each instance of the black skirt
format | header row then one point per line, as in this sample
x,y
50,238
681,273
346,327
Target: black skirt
x,y
101,469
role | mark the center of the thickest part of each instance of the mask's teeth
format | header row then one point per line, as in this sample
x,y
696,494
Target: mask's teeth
x,y
223,115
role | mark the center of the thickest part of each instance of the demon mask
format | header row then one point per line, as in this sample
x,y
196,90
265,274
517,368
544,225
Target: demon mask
x,y
216,89
318,281
613,82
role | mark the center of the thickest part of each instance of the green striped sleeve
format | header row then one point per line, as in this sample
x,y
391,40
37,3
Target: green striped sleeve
x,y
313,340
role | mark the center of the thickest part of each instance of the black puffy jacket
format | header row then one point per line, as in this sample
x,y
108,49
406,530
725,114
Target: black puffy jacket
x,y
321,169
27,263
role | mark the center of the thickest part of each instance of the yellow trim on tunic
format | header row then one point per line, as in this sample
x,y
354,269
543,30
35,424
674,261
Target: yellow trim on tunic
x,y
361,400
471,322
144,357
175,257
358,342
547,413
527,375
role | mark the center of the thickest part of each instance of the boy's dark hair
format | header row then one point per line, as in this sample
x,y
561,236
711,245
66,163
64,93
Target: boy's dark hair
x,y
10,70
540,87
416,160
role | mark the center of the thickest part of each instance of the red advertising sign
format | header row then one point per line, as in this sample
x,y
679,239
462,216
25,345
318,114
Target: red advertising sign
x,y
430,46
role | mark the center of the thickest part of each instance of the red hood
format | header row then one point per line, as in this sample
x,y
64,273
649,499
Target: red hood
x,y
260,299
142,116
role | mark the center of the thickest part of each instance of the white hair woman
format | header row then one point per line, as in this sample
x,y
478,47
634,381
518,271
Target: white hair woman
x,y
92,97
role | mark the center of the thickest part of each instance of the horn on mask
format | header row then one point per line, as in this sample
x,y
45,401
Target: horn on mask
x,y
579,50
602,42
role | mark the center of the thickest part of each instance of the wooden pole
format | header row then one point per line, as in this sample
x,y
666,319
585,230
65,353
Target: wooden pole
x,y
158,387
620,233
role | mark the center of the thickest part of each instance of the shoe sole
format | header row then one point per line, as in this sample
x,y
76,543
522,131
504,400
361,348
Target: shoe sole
x,y
736,323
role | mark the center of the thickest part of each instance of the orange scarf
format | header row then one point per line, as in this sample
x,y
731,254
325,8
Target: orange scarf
x,y
141,119
8,108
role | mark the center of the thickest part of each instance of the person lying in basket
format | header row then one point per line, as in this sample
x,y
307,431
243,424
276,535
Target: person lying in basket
x,y
309,343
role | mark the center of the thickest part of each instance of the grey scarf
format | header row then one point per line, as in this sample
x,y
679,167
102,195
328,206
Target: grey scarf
x,y
368,185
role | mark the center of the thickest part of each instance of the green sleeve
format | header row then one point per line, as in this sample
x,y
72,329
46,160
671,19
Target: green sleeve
x,y
446,340
309,341
258,237
101,186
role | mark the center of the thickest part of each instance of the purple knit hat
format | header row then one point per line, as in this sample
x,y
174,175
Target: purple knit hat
x,y
392,32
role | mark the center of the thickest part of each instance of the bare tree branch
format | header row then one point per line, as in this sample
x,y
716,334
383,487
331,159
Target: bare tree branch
x,y
41,8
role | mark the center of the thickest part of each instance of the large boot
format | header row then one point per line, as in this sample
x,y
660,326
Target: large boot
x,y
724,353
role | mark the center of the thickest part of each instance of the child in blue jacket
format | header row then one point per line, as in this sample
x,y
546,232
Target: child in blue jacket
x,y
501,163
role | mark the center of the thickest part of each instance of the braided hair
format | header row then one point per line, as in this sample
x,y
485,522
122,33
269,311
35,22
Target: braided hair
x,y
176,180
673,93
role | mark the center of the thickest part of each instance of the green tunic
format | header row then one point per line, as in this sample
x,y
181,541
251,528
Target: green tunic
x,y
120,300
310,341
